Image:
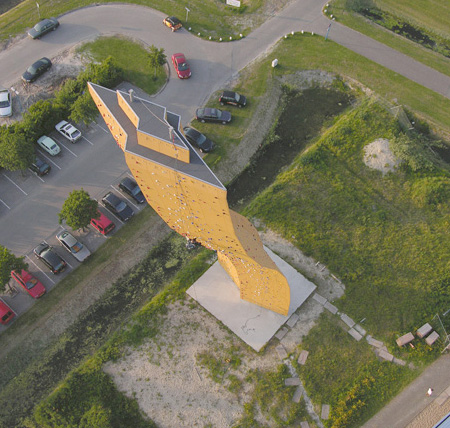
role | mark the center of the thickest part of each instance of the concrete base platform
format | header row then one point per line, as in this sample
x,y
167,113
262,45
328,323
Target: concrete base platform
x,y
219,295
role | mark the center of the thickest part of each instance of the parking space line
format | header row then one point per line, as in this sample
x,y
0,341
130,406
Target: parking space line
x,y
101,127
59,142
46,157
29,258
127,199
40,178
68,264
4,204
23,191
87,140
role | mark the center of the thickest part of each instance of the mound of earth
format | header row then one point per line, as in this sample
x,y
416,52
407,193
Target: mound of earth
x,y
378,155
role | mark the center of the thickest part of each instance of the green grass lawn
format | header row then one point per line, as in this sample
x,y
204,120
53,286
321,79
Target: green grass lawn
x,y
133,59
433,15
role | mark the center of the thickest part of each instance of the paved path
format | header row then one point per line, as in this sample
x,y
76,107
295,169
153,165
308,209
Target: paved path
x,y
412,407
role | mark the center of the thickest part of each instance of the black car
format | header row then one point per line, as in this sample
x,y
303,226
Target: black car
x,y
43,27
130,187
40,167
233,98
45,253
37,69
117,206
196,138
213,115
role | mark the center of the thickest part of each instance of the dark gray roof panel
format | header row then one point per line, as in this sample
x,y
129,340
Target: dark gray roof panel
x,y
195,168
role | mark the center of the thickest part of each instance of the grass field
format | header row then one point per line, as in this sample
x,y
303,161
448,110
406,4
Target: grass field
x,y
132,57
433,15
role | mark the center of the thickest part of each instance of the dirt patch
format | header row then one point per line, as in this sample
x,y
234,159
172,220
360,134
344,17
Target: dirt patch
x,y
67,64
169,384
378,155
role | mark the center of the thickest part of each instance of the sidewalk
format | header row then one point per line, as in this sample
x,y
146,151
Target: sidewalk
x,y
413,408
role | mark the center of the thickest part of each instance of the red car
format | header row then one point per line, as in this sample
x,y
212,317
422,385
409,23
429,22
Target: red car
x,y
103,224
29,283
6,313
181,66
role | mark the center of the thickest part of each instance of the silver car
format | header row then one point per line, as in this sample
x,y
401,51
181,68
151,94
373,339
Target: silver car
x,y
73,246
5,103
68,130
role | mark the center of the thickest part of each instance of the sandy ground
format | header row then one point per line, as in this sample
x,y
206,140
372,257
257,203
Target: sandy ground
x,y
378,155
174,389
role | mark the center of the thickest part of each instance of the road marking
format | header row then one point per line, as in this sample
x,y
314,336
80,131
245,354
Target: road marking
x,y
66,148
40,178
101,127
87,140
128,200
68,264
46,157
32,261
4,204
23,191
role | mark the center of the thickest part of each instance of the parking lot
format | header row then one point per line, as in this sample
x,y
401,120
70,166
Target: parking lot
x,y
93,163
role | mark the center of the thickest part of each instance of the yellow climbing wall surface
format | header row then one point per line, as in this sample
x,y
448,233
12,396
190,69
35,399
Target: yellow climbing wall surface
x,y
187,195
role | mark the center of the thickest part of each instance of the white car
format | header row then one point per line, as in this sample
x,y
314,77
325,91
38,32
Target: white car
x,y
68,130
49,145
5,103
73,246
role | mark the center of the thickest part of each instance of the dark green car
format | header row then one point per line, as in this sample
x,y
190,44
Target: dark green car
x,y
43,27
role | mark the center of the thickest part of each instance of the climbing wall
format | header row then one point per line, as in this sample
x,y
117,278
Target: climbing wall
x,y
194,207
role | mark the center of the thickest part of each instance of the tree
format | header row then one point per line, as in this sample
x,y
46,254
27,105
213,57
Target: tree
x,y
16,151
78,209
156,57
9,262
84,109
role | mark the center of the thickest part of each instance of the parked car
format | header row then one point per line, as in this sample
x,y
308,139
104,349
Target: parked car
x,y
43,27
6,313
181,66
173,23
49,145
196,138
69,131
5,103
130,187
117,206
36,69
233,98
40,167
29,283
213,115
73,246
53,261
102,223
